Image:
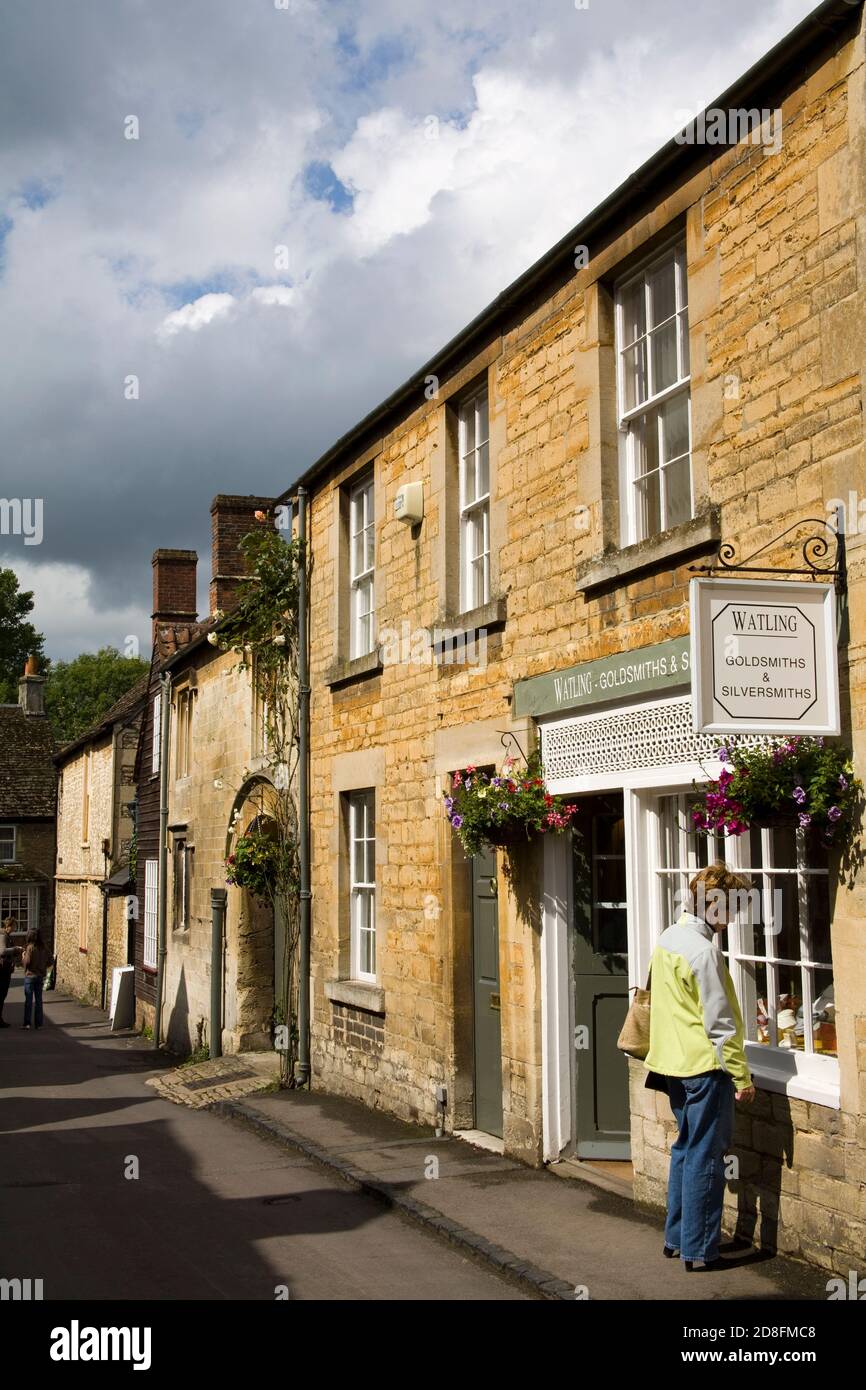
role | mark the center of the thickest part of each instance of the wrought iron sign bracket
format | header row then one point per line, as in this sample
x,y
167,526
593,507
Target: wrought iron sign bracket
x,y
822,551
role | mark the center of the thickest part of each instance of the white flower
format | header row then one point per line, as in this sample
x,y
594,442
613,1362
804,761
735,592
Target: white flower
x,y
280,640
212,638
218,783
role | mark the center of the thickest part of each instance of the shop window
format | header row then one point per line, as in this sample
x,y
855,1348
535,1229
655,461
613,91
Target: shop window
x,y
653,395
778,942
362,884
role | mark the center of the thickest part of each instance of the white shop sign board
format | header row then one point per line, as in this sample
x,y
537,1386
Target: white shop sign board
x,y
764,657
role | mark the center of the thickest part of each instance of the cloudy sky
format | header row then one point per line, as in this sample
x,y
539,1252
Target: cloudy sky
x,y
320,194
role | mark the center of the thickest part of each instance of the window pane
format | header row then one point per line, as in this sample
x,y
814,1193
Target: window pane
x,y
482,471
633,312
678,500
634,383
675,427
469,481
468,414
662,288
483,428
664,357
824,1013
370,539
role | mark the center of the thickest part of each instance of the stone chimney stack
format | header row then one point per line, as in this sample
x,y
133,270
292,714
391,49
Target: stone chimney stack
x,y
231,519
174,598
31,688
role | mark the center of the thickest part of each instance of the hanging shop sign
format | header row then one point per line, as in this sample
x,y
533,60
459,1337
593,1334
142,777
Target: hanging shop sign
x,y
639,672
764,657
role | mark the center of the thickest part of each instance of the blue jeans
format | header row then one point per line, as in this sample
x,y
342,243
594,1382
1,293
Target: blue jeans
x,y
33,995
704,1110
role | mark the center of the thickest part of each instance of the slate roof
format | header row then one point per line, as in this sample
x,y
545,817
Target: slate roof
x,y
28,781
120,712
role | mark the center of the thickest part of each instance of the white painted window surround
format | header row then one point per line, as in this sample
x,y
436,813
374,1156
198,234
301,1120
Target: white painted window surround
x,y
362,885
585,758
653,396
362,561
151,885
474,488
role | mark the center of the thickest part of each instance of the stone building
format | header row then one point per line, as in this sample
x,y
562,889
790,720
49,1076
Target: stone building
x,y
95,831
28,794
683,370
216,768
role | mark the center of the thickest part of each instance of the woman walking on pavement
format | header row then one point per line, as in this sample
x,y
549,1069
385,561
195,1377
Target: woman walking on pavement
x,y
36,961
697,1044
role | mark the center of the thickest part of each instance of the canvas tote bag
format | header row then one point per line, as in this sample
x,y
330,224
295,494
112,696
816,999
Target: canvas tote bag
x,y
635,1035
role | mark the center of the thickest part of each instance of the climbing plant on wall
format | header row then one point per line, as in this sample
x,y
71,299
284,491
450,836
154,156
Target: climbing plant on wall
x,y
264,630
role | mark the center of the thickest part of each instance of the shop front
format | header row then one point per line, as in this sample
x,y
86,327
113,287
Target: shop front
x,y
632,763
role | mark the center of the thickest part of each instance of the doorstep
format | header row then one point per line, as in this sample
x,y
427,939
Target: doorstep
x,y
612,1175
480,1139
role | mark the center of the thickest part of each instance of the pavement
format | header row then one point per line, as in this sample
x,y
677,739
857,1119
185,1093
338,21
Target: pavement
x,y
108,1190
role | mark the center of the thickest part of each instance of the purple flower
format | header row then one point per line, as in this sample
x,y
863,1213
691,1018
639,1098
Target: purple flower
x,y
496,782
804,820
843,781
503,805
834,813
449,803
799,795
722,755
457,821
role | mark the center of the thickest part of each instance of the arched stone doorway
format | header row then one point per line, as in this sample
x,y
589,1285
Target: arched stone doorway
x,y
257,946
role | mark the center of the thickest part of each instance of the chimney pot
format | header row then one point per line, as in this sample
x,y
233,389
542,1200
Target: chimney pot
x,y
31,688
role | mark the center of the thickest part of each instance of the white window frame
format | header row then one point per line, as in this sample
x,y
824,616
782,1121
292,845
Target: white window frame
x,y
362,919
30,893
362,590
474,500
799,1075
13,844
260,741
151,895
155,740
634,525
83,916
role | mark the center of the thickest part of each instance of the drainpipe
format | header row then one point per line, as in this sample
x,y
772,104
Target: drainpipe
x,y
161,950
302,1070
217,920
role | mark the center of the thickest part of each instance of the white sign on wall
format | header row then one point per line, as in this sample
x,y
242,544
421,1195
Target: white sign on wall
x,y
764,657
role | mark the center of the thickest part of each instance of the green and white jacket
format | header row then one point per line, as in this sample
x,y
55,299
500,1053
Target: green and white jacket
x,y
695,1020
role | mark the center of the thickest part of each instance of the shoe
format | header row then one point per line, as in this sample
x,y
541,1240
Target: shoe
x,y
27,1026
717,1263
668,1252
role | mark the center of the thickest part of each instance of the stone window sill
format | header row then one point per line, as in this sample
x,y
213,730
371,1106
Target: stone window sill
x,y
490,617
357,994
342,672
619,567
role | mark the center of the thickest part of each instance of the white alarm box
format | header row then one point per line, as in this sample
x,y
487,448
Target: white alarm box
x,y
409,502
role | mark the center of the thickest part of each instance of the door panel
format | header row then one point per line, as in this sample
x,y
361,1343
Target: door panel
x,y
488,1033
600,959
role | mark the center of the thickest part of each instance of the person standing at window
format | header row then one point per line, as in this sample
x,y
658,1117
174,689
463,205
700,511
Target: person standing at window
x,y
36,961
697,1044
8,953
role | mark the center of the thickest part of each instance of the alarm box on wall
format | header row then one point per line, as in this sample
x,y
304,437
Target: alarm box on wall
x,y
409,503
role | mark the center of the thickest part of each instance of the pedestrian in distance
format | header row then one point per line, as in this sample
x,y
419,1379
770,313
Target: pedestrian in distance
x,y
36,961
8,955
697,1045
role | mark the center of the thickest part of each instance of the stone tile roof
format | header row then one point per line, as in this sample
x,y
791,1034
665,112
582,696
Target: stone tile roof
x,y
121,711
28,780
172,637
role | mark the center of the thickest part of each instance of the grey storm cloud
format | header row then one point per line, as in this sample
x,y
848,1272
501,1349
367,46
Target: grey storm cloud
x,y
319,196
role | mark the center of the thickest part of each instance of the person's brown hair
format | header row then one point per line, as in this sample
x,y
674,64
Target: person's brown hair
x,y
717,876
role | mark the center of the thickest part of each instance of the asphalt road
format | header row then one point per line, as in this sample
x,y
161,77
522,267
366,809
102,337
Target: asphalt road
x,y
215,1212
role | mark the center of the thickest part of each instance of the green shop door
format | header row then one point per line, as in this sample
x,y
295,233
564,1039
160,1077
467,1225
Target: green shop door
x,y
485,966
600,956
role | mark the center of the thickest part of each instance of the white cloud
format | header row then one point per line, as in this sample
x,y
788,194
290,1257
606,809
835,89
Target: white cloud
x,y
197,314
72,618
